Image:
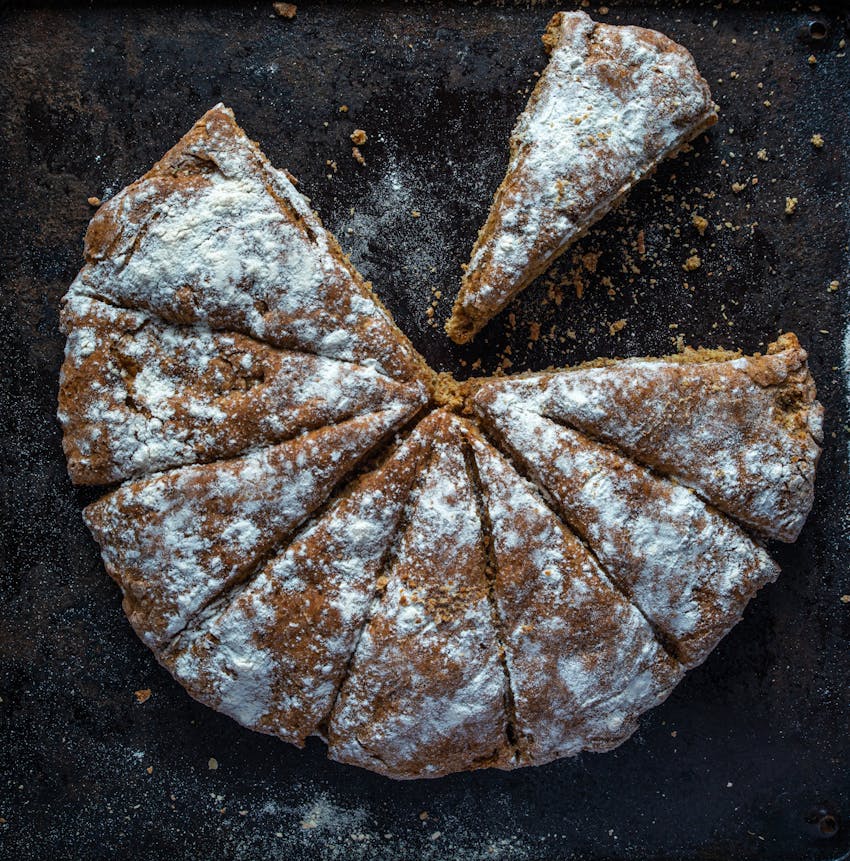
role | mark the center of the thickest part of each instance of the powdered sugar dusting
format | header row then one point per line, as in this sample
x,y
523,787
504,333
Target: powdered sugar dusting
x,y
583,661
274,656
425,694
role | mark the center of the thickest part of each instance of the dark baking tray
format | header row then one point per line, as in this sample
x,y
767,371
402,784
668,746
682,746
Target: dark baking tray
x,y
750,745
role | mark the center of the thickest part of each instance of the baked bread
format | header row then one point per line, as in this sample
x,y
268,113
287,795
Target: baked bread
x,y
612,103
311,543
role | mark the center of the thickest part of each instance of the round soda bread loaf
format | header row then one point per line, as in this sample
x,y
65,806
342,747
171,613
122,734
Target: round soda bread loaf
x,y
317,535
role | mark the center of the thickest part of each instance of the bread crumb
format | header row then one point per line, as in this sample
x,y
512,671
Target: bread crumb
x,y
343,109
616,326
692,263
533,331
358,137
423,816
845,599
149,769
143,695
761,155
212,765
415,213
833,286
812,59
93,201
358,156
790,205
285,10
700,223
738,187
816,141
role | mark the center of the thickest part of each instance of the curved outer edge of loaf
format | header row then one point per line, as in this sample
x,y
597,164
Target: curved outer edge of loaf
x,y
795,369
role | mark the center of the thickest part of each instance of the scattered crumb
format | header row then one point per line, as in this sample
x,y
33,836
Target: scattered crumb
x,y
693,262
790,205
738,187
640,242
358,137
212,765
761,155
285,10
833,286
358,156
415,213
603,10
343,109
700,223
93,201
845,599
816,140
149,769
812,59
143,695
616,326
423,815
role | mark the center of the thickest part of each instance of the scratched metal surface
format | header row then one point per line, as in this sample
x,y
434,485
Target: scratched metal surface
x,y
735,761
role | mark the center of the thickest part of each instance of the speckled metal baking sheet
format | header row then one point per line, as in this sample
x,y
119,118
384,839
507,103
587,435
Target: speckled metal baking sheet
x,y
751,743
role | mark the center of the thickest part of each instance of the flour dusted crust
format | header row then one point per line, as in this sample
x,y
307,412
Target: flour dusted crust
x,y
254,258
139,395
583,661
426,692
612,103
309,544
668,414
177,540
274,655
687,568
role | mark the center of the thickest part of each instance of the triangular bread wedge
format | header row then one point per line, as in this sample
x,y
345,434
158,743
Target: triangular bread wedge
x,y
274,654
426,693
583,661
175,541
139,395
214,234
743,431
612,103
687,568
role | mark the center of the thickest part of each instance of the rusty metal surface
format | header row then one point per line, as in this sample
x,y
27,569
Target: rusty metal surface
x,y
750,745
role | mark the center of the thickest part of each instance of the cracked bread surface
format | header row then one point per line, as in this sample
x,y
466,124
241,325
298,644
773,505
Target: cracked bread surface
x,y
323,537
